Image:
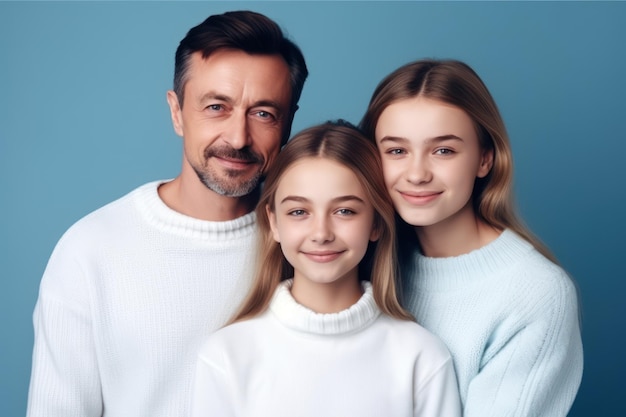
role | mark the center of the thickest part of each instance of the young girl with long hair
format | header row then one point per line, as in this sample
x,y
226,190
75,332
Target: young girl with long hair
x,y
472,273
322,332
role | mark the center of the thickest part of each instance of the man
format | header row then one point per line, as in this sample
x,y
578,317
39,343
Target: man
x,y
131,290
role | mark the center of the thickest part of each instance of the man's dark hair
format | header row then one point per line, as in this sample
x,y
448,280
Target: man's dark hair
x,y
246,31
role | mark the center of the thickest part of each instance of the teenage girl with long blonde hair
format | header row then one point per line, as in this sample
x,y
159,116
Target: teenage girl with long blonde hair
x,y
472,273
322,332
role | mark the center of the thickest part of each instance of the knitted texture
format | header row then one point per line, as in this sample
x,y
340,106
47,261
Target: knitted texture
x,y
291,361
127,296
510,319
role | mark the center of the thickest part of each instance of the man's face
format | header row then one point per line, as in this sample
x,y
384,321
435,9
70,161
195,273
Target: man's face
x,y
236,110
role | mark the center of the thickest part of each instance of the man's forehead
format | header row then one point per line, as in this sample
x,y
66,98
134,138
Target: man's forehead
x,y
235,75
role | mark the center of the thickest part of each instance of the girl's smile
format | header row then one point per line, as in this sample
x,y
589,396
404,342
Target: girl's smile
x,y
431,158
420,198
324,222
322,256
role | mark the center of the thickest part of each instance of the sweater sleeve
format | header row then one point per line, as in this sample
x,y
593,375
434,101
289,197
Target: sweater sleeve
x,y
211,392
536,369
439,395
65,380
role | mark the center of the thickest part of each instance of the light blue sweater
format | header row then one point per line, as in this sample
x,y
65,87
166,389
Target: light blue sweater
x,y
510,319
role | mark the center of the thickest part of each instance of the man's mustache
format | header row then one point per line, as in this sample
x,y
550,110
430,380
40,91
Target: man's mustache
x,y
243,154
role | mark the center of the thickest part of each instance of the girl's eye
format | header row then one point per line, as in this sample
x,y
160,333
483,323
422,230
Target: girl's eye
x,y
345,212
444,151
395,151
296,213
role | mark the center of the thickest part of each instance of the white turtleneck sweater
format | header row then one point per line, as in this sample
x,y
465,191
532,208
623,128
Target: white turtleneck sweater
x,y
128,295
510,319
291,361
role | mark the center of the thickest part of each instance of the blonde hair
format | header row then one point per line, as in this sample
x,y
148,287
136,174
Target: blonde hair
x,y
455,83
343,143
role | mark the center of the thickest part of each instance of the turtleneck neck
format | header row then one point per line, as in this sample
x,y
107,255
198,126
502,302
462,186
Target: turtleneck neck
x,y
303,319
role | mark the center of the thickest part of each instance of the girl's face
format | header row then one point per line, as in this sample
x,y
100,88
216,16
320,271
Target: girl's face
x,y
323,221
431,157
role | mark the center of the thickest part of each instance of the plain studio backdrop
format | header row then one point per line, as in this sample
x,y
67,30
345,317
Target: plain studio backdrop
x,y
84,120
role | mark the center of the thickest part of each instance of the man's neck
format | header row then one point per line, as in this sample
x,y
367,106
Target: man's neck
x,y
194,199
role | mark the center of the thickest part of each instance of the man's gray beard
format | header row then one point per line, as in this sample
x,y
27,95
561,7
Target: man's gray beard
x,y
228,189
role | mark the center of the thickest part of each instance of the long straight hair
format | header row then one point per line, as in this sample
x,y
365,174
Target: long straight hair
x,y
343,143
455,83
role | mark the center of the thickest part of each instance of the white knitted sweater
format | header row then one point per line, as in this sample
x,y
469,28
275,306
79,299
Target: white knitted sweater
x,y
291,361
127,296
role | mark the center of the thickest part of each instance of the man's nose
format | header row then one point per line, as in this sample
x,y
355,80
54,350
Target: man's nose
x,y
237,133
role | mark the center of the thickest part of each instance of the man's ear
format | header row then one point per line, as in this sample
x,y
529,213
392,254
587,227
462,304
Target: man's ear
x,y
486,163
272,218
175,112
288,124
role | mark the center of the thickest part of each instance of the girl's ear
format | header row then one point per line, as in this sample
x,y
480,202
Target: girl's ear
x,y
375,234
272,218
486,163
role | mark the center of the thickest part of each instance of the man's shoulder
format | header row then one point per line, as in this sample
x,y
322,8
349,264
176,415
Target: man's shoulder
x,y
113,216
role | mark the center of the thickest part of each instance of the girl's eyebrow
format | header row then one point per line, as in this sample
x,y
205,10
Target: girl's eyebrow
x,y
340,199
440,138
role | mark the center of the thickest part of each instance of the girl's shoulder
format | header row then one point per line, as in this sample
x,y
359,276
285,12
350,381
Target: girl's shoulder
x,y
414,339
532,286
530,266
228,338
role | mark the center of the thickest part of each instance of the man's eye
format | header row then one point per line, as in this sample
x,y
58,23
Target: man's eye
x,y
215,107
265,115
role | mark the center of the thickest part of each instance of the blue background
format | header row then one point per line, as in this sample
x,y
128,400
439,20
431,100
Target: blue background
x,y
83,120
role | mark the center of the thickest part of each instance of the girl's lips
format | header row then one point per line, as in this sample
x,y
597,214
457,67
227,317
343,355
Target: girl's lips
x,y
420,198
322,257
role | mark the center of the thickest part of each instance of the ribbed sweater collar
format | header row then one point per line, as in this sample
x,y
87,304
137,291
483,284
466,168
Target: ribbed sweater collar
x,y
157,213
441,274
300,318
